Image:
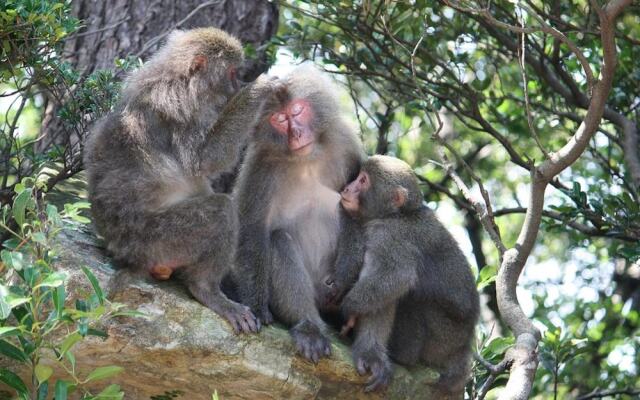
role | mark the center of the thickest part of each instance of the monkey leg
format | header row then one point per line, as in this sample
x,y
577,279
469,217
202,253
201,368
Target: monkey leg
x,y
196,240
370,348
409,333
208,292
448,349
293,298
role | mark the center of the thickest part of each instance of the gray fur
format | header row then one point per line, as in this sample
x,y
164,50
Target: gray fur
x,y
178,124
289,213
412,274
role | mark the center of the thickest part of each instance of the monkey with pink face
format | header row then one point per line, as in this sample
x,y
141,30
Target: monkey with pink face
x,y
304,152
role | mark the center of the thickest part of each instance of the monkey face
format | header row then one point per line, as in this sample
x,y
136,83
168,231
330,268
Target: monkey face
x,y
385,186
232,77
350,195
294,121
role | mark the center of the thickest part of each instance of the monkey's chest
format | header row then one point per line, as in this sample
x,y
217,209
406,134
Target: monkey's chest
x,y
309,213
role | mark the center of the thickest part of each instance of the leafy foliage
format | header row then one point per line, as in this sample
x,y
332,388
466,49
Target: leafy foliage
x,y
39,322
35,80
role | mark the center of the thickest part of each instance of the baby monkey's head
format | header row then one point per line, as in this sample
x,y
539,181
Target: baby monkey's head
x,y
385,186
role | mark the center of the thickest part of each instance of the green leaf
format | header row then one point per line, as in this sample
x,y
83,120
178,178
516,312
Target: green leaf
x,y
61,390
53,215
103,373
39,237
5,308
97,332
43,390
43,372
94,284
14,300
498,345
12,351
13,259
111,392
53,280
8,331
68,343
14,381
58,299
71,358
20,205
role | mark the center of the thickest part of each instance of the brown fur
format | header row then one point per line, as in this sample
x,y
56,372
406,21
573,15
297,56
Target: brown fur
x,y
178,124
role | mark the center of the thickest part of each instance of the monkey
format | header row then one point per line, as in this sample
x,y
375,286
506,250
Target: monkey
x,y
402,282
287,193
180,121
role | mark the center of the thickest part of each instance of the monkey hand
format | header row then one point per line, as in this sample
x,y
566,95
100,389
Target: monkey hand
x,y
349,325
269,88
375,361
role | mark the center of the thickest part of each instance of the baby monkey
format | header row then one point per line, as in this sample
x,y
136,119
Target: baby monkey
x,y
403,282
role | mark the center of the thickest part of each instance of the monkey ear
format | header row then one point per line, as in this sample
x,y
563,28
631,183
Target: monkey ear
x,y
199,63
400,195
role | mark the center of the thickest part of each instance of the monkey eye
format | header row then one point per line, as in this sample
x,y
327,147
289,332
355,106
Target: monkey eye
x,y
296,109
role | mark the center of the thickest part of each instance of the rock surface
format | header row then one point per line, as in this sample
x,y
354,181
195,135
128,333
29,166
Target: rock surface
x,y
183,348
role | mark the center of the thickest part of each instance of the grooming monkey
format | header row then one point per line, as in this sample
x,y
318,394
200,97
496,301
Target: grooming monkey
x,y
408,291
304,152
178,123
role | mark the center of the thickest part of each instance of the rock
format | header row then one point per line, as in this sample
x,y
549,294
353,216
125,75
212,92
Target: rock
x,y
181,347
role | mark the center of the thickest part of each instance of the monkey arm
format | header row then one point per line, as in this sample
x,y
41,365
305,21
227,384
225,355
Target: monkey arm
x,y
254,247
350,254
237,120
386,276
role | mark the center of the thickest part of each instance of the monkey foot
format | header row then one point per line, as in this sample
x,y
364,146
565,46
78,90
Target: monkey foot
x,y
242,320
265,316
377,363
310,341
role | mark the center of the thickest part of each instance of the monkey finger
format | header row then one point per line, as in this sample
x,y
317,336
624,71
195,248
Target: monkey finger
x,y
234,324
251,322
308,354
244,324
258,324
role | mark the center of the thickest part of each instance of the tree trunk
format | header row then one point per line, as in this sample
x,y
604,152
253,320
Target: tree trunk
x,y
118,28
121,28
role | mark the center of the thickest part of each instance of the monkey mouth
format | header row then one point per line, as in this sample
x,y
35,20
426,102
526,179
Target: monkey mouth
x,y
348,202
303,150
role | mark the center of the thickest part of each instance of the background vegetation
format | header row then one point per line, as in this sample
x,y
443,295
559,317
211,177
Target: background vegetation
x,y
476,96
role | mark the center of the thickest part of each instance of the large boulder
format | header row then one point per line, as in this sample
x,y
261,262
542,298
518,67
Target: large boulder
x,y
182,348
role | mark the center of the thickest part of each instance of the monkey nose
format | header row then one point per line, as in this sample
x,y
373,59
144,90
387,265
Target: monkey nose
x,y
296,133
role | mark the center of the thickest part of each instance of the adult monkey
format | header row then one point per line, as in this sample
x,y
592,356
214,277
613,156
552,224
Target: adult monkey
x,y
149,163
288,203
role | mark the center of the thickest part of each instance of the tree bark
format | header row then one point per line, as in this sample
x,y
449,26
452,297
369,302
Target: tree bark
x,y
118,28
